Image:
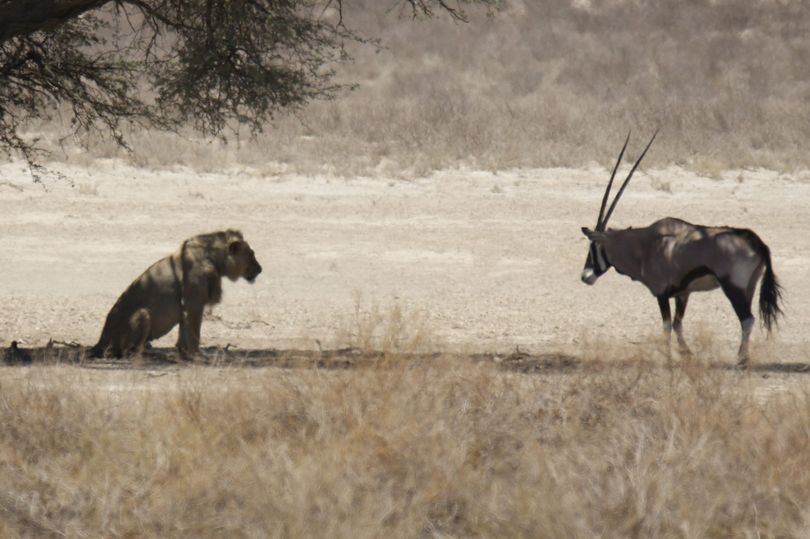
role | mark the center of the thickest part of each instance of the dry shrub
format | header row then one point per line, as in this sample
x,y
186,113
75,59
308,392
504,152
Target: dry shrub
x,y
391,329
445,447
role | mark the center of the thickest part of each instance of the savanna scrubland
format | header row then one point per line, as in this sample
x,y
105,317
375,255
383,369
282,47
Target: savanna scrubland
x,y
431,214
539,84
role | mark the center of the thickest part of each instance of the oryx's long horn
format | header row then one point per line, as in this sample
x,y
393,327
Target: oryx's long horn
x,y
627,180
610,184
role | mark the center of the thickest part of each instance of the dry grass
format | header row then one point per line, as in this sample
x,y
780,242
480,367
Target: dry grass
x,y
442,448
390,329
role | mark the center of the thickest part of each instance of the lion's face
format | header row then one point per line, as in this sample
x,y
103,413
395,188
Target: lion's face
x,y
242,262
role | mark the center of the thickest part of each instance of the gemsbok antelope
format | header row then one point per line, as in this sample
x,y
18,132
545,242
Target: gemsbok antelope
x,y
673,258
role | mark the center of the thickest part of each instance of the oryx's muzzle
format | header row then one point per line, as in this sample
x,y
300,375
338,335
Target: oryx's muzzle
x,y
595,265
588,276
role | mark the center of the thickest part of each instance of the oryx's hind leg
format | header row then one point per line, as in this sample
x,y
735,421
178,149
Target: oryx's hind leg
x,y
677,324
741,301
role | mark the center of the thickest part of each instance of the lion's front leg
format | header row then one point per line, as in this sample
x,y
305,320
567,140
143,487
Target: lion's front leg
x,y
202,287
214,289
188,340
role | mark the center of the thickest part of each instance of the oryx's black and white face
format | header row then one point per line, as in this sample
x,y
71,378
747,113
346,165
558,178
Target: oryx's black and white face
x,y
597,263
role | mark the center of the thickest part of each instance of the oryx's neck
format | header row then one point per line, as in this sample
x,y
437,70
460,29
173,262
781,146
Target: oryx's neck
x,y
625,251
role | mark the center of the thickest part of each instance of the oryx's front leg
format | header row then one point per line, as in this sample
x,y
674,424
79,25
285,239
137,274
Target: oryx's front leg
x,y
666,318
677,324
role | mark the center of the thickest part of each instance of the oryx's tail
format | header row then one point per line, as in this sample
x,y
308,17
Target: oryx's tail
x,y
770,291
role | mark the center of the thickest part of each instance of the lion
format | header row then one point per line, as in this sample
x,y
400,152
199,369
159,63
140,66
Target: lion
x,y
175,290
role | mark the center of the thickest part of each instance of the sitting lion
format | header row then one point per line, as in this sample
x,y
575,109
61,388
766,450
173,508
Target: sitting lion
x,y
175,290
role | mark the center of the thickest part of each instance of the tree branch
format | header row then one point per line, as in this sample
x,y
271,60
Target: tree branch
x,y
205,63
18,18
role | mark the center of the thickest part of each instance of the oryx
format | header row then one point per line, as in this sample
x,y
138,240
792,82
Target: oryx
x,y
674,258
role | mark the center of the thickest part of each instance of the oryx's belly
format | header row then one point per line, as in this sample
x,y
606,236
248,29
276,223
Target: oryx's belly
x,y
702,284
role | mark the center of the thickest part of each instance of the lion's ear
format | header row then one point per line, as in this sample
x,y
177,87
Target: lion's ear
x,y
235,246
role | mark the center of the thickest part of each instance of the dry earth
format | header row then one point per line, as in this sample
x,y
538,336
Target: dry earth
x,y
486,260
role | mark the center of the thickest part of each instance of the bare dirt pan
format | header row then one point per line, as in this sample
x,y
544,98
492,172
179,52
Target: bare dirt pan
x,y
483,261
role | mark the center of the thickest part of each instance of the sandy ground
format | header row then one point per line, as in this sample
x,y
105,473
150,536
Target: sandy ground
x,y
487,260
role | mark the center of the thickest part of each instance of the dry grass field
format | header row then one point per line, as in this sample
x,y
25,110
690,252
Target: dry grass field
x,y
419,357
405,447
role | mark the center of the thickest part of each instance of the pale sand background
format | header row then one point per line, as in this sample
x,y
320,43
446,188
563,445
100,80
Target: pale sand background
x,y
488,260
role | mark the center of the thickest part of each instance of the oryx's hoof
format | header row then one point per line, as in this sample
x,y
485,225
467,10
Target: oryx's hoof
x,y
685,352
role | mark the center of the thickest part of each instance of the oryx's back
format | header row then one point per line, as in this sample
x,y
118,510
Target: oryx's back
x,y
688,256
718,247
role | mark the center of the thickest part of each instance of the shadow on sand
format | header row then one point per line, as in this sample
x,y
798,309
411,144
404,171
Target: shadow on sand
x,y
341,358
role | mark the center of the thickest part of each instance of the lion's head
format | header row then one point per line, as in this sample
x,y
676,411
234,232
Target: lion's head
x,y
241,261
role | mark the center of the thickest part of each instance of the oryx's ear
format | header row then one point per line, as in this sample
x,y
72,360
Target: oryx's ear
x,y
594,235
